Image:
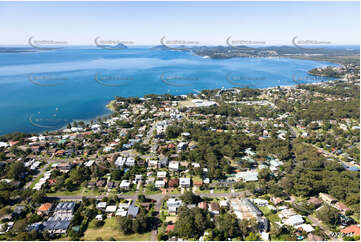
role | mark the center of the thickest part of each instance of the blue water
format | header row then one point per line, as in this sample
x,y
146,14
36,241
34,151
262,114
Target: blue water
x,y
47,89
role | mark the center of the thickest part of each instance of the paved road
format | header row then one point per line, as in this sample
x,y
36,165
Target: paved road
x,y
157,197
316,222
41,170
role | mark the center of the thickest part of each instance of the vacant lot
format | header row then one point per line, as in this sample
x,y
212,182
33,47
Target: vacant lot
x,y
110,229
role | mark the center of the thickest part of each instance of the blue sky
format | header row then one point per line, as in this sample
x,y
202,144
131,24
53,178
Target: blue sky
x,y
205,22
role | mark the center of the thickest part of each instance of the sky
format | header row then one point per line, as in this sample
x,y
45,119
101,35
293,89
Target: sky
x,y
145,23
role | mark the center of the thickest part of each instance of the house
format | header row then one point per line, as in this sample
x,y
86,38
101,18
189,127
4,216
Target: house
x,y
150,180
101,205
173,204
163,161
170,227
214,208
341,207
198,183
294,220
125,184
120,162
313,237
306,227
152,164
185,182
160,184
173,182
161,174
133,210
89,163
100,183
65,208
91,184
19,210
110,185
121,212
260,202
247,176
203,205
315,201
44,209
352,230
327,198
130,161
173,166
111,209
138,178
276,200
64,167
223,203
182,146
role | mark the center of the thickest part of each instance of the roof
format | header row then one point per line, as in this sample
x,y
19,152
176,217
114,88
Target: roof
x,y
45,207
315,201
353,229
111,209
214,206
133,210
170,227
202,205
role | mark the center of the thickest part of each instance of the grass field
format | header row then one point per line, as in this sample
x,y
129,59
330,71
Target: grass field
x,y
268,213
110,229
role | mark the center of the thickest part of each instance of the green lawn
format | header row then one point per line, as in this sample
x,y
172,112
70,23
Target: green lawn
x,y
110,229
268,213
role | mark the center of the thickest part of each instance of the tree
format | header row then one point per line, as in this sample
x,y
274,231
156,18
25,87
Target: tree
x,y
16,170
329,215
38,197
141,198
252,237
189,198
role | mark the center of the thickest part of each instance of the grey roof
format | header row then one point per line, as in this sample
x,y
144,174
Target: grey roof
x,y
133,210
65,206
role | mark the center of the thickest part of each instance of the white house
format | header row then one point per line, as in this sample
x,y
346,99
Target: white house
x,y
125,184
159,184
130,161
174,165
120,161
294,220
161,174
111,209
101,205
185,182
247,176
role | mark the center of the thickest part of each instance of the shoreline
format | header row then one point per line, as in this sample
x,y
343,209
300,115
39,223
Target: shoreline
x,y
110,105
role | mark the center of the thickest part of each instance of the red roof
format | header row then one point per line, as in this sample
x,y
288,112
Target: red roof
x,y
353,229
170,227
45,207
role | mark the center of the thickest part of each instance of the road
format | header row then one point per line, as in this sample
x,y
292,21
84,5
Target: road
x,y
157,197
41,170
316,222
